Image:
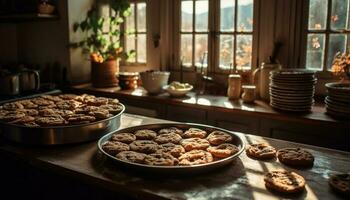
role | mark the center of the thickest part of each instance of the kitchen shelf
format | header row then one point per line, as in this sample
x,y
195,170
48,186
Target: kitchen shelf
x,y
17,18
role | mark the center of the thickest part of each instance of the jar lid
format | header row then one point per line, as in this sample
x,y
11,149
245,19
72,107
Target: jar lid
x,y
234,76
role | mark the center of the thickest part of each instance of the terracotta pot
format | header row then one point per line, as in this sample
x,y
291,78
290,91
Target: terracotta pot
x,y
128,80
103,74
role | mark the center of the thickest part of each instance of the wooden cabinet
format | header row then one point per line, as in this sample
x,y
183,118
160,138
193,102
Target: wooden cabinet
x,y
186,114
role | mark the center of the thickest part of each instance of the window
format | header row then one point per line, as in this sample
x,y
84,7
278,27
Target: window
x,y
136,37
328,32
229,24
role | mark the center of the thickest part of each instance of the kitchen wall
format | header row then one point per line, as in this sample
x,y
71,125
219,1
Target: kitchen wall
x,y
8,43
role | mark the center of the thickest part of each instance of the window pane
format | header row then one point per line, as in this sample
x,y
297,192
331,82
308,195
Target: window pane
x,y
244,52
186,15
245,15
201,50
227,15
340,14
226,51
337,43
130,20
141,17
317,14
315,51
130,45
202,15
186,50
141,48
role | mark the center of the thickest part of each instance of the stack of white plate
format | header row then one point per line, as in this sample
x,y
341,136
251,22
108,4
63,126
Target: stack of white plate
x,y
338,99
292,89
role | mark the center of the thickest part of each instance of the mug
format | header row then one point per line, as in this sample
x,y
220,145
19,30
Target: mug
x,y
9,84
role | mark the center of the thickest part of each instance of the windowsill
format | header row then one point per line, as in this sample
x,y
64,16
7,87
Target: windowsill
x,y
214,103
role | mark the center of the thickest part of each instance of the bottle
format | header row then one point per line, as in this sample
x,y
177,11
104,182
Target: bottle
x,y
234,86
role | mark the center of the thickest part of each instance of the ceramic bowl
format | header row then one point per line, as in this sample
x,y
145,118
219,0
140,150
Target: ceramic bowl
x,y
177,92
154,81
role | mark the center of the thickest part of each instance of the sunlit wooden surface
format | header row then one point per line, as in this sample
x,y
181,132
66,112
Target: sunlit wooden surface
x,y
242,179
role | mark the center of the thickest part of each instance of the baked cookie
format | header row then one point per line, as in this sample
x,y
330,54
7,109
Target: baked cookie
x,y
85,109
100,114
28,104
123,137
261,151
295,157
284,181
80,119
144,146
115,147
168,138
84,97
63,113
112,101
194,133
160,159
113,109
340,183
31,125
98,101
171,130
50,121
47,112
145,134
42,102
195,143
67,96
195,157
219,137
173,149
223,150
51,98
131,156
30,112
11,116
23,120
12,106
68,105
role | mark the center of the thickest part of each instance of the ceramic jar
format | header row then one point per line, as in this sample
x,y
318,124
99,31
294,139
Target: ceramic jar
x,y
248,95
262,79
234,86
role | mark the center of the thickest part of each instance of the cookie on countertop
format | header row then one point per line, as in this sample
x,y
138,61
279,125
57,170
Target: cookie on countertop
x,y
295,157
219,137
284,181
340,183
261,151
223,150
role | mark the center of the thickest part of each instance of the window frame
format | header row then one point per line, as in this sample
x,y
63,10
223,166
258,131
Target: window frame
x,y
124,37
326,32
213,38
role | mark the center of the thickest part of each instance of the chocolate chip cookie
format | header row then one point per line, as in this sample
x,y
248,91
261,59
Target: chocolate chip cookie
x,y
340,183
113,109
284,181
168,138
223,150
123,137
131,156
144,146
219,137
11,116
98,101
195,157
145,134
194,133
100,113
171,130
50,121
295,157
115,147
13,106
80,119
160,159
195,143
261,151
67,105
173,149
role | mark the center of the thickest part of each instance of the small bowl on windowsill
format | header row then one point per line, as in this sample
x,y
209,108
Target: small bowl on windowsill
x,y
176,89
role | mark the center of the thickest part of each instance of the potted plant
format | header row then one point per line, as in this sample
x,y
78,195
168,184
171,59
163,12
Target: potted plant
x,y
102,41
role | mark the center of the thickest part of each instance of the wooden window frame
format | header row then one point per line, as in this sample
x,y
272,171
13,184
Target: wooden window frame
x,y
136,33
213,35
324,72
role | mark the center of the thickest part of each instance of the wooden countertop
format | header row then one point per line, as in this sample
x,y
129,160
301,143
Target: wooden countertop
x,y
242,179
216,103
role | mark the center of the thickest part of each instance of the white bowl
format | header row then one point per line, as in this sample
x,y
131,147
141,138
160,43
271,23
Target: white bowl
x,y
177,92
153,81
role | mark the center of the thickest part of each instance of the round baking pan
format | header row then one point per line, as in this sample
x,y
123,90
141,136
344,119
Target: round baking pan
x,y
236,140
61,134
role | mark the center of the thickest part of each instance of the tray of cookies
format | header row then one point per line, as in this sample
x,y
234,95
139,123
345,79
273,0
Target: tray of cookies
x,y
59,119
172,147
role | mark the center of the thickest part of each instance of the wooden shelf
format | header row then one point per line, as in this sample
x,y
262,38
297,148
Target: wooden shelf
x,y
16,18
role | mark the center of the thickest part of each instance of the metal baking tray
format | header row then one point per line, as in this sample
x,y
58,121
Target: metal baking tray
x,y
236,140
56,135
